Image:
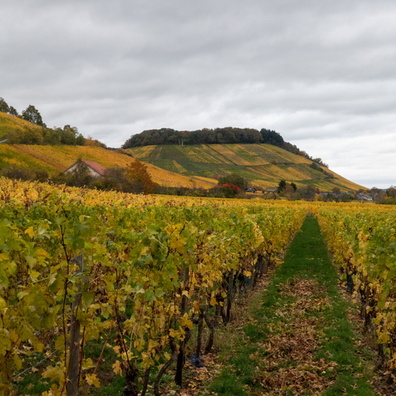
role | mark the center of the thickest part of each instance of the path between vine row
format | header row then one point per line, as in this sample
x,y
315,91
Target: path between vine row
x,y
300,338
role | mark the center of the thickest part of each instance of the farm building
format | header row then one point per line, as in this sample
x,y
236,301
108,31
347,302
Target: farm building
x,y
94,169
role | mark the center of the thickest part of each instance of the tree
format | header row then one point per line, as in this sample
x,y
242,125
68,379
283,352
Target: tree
x,y
282,186
13,111
32,115
113,179
391,192
272,137
69,135
4,106
230,190
7,109
235,180
139,177
25,136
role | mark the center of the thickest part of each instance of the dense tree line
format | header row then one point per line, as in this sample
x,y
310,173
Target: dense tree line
x,y
47,136
227,135
202,136
68,135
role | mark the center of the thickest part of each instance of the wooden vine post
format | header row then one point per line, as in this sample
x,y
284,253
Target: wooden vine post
x,y
183,309
73,369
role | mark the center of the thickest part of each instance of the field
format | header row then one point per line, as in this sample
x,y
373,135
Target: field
x,y
263,165
103,288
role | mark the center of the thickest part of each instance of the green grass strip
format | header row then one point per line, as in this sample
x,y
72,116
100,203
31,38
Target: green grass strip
x,y
298,340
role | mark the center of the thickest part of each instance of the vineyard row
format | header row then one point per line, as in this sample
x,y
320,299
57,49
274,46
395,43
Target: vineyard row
x,y
139,281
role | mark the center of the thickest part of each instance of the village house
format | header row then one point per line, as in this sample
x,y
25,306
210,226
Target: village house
x,y
94,169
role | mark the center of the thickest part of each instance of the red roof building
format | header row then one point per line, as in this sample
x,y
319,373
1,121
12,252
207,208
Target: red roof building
x,y
94,169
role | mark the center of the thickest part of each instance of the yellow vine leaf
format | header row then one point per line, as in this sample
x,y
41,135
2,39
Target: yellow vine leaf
x,y
55,373
117,368
30,231
92,379
3,304
173,333
116,349
186,322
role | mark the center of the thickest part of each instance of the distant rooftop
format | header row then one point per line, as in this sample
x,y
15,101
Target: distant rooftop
x,y
96,167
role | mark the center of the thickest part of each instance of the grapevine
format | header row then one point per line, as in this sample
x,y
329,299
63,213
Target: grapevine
x,y
136,274
362,240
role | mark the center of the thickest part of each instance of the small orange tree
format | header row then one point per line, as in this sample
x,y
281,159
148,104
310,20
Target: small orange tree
x,y
139,177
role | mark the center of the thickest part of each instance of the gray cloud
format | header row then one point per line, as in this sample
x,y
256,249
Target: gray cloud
x,y
320,73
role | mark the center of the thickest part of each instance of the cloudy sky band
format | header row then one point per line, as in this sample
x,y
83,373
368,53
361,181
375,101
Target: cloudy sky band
x,y
320,73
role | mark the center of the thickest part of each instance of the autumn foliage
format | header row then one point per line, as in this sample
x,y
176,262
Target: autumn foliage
x,y
82,267
138,174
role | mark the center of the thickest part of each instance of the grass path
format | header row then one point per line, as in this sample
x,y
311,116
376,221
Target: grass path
x,y
299,340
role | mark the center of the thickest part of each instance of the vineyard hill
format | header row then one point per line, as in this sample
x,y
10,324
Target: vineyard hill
x,y
263,165
191,166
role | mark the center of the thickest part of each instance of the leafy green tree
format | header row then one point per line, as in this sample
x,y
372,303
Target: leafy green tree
x,y
13,111
51,137
235,180
113,179
4,106
25,136
70,136
32,115
282,186
272,137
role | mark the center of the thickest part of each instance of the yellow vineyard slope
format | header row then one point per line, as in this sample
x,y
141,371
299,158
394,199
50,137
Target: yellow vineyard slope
x,y
55,159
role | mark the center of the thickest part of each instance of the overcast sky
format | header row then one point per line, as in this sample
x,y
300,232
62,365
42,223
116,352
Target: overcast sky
x,y
321,73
